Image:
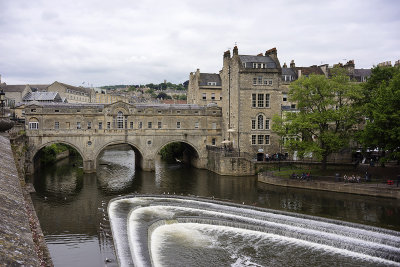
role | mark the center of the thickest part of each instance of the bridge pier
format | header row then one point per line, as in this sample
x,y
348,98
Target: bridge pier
x,y
147,164
89,166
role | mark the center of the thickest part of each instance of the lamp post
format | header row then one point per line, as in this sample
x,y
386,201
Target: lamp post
x,y
2,99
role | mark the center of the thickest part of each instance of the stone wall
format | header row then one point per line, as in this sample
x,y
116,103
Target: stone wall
x,y
352,188
16,241
235,166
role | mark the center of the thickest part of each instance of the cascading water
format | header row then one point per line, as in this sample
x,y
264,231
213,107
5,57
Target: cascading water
x,y
183,231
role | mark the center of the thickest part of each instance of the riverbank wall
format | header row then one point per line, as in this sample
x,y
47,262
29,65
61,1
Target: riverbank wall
x,y
229,165
340,187
21,239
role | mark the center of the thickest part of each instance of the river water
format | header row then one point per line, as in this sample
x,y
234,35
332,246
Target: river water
x,y
72,206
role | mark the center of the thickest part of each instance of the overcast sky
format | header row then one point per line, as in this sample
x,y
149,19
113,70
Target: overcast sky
x,y
104,42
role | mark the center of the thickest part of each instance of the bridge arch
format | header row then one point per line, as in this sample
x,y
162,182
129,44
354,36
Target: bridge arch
x,y
139,155
192,155
38,148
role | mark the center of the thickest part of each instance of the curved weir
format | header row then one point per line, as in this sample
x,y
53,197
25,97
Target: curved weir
x,y
183,231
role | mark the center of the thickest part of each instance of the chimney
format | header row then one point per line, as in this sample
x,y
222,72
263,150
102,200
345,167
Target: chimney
x,y
298,74
227,54
272,52
235,50
284,65
260,55
292,65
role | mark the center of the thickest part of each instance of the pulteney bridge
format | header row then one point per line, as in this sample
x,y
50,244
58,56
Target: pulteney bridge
x,y
147,128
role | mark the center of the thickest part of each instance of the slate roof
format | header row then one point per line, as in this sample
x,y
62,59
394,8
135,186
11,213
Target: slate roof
x,y
14,88
257,59
42,96
76,88
209,77
310,70
362,72
39,87
289,71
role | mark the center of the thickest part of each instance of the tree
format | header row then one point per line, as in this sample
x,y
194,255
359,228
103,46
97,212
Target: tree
x,y
163,96
381,106
325,118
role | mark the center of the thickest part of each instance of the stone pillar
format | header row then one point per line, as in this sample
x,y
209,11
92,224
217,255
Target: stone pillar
x,y
89,166
147,164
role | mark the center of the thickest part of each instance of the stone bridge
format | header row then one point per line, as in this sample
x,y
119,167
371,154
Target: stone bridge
x,y
147,128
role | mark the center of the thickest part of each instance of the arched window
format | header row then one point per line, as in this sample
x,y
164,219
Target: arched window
x,y
260,121
120,120
33,124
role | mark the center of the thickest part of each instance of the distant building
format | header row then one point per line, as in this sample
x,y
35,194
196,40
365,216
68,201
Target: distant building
x,y
204,88
73,94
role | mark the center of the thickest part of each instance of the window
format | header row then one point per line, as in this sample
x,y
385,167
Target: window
x,y
196,125
293,106
254,100
33,125
204,96
284,97
78,125
131,124
159,125
270,82
149,124
211,83
108,125
178,124
267,100
259,79
213,96
260,139
213,141
220,97
33,110
89,125
267,139
260,100
57,110
267,124
254,81
159,112
253,139
254,65
56,125
140,125
253,124
260,122
100,125
120,120
214,125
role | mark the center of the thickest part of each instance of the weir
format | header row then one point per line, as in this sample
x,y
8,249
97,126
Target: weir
x,y
189,228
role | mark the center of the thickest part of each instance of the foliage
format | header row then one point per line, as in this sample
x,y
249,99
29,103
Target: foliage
x,y
172,151
49,153
381,103
163,96
325,118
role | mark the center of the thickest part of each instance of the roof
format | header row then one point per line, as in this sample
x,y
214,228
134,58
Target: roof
x,y
288,71
42,96
310,70
76,88
205,78
258,59
39,87
14,88
362,72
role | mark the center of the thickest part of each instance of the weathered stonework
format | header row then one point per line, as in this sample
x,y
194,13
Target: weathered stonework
x,y
122,123
16,242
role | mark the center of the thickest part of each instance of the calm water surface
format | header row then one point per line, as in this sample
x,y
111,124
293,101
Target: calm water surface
x,y
72,206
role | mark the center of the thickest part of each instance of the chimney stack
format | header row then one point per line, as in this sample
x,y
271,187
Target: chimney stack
x,y
284,65
292,65
272,52
235,50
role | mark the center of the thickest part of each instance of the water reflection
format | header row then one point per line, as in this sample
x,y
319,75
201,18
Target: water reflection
x,y
71,206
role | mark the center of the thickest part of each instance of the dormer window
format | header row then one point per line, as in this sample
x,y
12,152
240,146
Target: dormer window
x,y
211,83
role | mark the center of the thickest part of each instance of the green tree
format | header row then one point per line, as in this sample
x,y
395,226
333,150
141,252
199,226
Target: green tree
x,y
381,103
325,118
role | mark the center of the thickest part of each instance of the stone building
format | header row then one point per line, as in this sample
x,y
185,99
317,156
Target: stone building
x,y
73,94
204,88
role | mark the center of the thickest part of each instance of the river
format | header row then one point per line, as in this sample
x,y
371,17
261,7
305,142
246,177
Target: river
x,y
72,206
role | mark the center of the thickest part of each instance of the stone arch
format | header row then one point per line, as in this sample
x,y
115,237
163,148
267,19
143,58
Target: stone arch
x,y
139,155
196,161
37,149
